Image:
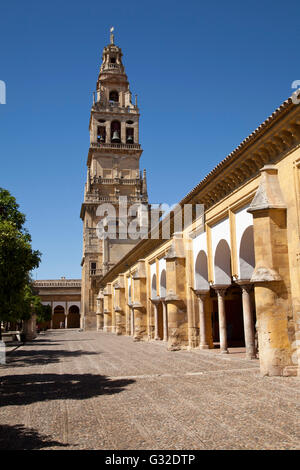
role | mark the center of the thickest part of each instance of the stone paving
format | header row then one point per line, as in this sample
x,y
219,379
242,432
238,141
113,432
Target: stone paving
x,y
91,390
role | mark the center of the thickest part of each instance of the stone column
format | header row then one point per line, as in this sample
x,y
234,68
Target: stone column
x,y
107,323
248,321
99,317
140,327
201,295
118,327
221,290
176,319
165,320
66,320
132,321
156,337
155,303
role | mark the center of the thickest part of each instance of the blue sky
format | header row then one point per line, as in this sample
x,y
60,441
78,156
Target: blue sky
x,y
206,73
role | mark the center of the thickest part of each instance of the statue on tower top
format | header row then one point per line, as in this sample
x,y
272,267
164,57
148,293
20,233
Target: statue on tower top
x,y
112,37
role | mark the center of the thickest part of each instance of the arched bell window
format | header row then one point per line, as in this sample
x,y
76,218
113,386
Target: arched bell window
x,y
114,96
129,135
115,131
101,134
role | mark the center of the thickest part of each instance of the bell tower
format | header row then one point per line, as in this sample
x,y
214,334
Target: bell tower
x,y
112,173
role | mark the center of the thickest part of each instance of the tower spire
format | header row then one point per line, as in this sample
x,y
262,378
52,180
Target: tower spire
x,y
112,36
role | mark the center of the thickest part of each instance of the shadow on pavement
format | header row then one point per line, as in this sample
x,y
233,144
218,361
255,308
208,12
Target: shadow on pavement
x,y
20,438
31,388
32,357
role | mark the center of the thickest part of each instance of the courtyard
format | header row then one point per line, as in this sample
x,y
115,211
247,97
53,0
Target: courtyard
x,y
70,389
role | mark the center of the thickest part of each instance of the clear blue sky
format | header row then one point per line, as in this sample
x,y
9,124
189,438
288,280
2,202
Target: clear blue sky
x,y
206,73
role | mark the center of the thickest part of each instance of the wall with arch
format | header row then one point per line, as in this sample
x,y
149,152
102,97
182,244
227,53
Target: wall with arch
x,y
244,243
200,262
220,238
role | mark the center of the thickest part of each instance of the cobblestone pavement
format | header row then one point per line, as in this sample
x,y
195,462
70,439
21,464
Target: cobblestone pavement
x,y
90,390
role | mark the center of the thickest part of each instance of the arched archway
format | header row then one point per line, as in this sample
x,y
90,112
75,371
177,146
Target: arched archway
x,y
163,284
201,272
74,317
222,263
58,320
246,254
227,307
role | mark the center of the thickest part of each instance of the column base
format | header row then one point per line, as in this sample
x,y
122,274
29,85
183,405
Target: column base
x,y
251,356
290,371
225,351
204,346
107,329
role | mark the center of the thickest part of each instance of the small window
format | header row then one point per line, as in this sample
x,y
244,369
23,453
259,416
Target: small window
x,y
129,122
93,268
112,60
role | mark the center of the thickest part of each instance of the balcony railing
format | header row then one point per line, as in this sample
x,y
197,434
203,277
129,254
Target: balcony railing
x,y
96,272
111,66
95,198
115,146
130,181
109,106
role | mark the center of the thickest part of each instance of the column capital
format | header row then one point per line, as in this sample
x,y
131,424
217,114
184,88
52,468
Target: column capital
x,y
201,293
245,285
137,306
155,300
220,289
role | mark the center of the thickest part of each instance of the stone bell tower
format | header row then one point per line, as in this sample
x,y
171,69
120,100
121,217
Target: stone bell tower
x,y
112,173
